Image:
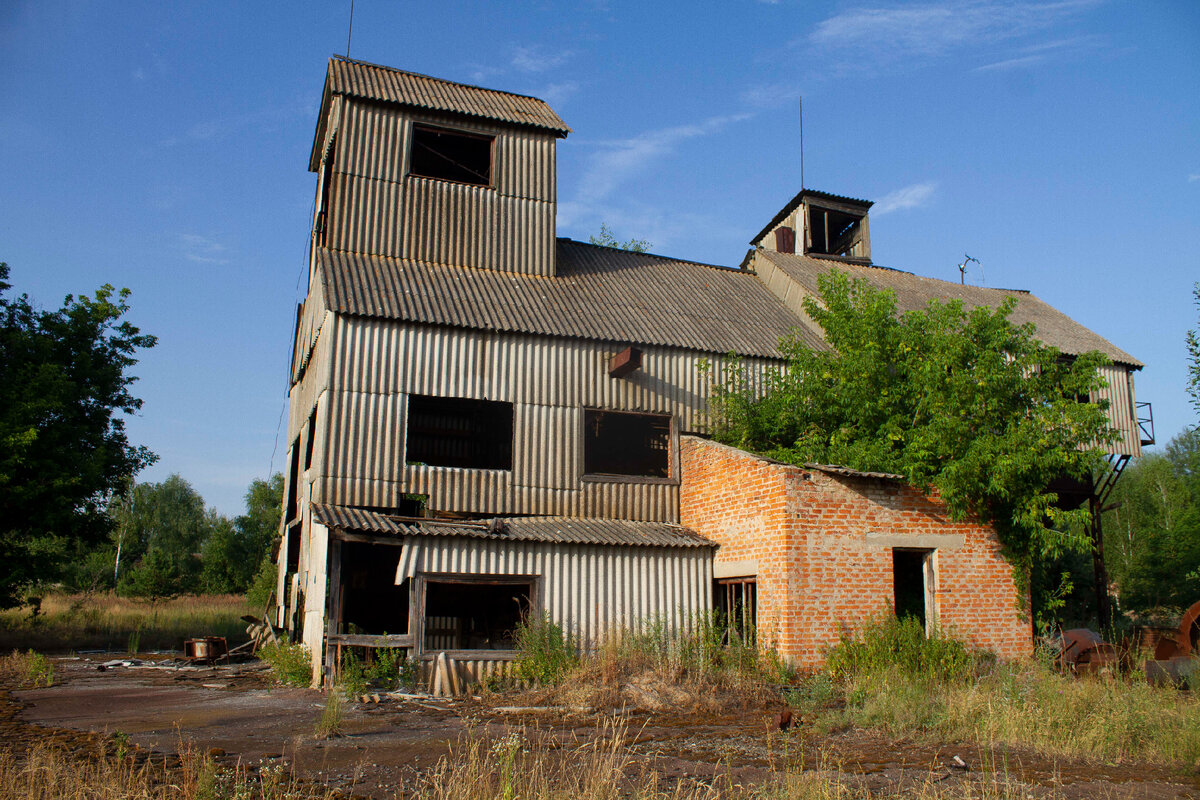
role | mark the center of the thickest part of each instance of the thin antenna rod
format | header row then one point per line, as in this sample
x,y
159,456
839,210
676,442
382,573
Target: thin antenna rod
x,y
801,144
351,29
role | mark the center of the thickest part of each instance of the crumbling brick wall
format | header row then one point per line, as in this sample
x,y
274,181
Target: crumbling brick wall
x,y
823,545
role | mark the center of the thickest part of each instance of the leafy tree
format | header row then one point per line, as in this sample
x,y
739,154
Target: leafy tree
x,y
964,402
64,386
1193,349
160,528
606,239
234,552
1152,536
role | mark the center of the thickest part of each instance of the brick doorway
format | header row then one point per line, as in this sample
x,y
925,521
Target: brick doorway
x,y
912,576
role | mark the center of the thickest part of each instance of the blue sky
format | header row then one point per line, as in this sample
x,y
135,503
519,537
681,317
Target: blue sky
x,y
163,147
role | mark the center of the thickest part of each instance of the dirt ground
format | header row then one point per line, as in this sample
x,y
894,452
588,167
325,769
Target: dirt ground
x,y
388,747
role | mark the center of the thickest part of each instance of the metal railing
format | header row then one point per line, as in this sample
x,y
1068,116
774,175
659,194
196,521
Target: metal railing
x,y
1145,422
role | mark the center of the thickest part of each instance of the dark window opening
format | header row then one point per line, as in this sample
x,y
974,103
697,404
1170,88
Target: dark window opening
x,y
293,548
321,224
293,483
912,573
835,233
785,239
312,437
371,602
458,432
621,443
736,600
474,615
451,156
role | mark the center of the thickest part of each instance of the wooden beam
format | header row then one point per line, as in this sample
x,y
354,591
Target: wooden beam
x,y
625,362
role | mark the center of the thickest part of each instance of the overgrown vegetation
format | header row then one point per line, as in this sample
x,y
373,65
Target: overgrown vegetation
x,y
385,668
291,664
607,239
106,621
704,664
893,678
28,670
961,401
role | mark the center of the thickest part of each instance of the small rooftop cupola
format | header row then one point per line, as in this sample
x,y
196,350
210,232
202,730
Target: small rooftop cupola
x,y
821,225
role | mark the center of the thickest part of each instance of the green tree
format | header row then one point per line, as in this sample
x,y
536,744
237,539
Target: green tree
x,y
959,400
606,239
64,388
160,529
1152,536
234,552
1193,350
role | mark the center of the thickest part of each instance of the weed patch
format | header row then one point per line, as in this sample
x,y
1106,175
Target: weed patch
x,y
28,670
291,664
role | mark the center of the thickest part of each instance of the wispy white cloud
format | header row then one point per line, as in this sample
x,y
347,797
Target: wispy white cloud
x,y
616,162
914,196
1195,176
537,59
886,34
201,249
770,95
558,93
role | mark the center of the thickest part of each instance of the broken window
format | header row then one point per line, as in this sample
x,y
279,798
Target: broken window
x,y
312,437
736,600
451,155
321,223
371,602
912,575
835,232
293,504
459,432
475,613
293,548
624,443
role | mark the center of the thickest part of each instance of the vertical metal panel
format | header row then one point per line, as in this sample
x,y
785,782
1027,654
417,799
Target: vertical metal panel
x,y
377,363
1122,413
376,208
584,587
546,447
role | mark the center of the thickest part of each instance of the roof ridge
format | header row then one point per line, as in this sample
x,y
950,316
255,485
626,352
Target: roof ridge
x,y
653,255
348,60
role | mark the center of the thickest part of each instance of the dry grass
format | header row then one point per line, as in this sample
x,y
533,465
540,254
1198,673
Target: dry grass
x,y
108,622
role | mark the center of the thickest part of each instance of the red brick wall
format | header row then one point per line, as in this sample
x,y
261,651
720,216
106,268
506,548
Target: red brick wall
x,y
823,546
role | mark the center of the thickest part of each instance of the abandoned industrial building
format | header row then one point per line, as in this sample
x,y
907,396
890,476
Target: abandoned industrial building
x,y
487,421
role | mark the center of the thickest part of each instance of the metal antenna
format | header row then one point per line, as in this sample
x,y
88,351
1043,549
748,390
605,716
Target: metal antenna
x,y
801,143
962,268
350,30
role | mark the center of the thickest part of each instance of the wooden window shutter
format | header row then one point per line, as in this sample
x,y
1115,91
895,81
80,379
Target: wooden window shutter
x,y
785,239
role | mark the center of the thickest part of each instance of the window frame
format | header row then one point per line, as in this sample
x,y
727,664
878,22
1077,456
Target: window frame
x,y
410,461
672,476
416,606
490,138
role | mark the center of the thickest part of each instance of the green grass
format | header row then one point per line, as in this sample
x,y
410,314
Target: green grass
x,y
109,622
894,679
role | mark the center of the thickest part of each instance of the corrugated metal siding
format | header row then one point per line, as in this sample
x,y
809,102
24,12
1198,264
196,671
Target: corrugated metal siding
x,y
1121,410
374,143
548,381
304,395
589,590
376,82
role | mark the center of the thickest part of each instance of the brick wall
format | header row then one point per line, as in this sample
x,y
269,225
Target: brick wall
x,y
823,545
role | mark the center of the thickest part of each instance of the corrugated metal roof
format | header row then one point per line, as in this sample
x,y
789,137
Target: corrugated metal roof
x,y
375,82
914,292
837,469
598,293
795,201
551,530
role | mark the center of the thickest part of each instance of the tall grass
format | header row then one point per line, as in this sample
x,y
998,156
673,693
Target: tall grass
x,y
894,679
708,662
109,622
28,670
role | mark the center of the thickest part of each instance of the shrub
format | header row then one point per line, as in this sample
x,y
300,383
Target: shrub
x,y
291,664
901,645
546,653
28,670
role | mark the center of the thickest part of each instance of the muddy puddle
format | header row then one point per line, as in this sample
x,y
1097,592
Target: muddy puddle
x,y
390,747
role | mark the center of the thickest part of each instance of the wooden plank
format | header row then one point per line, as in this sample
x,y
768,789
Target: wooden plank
x,y
370,640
